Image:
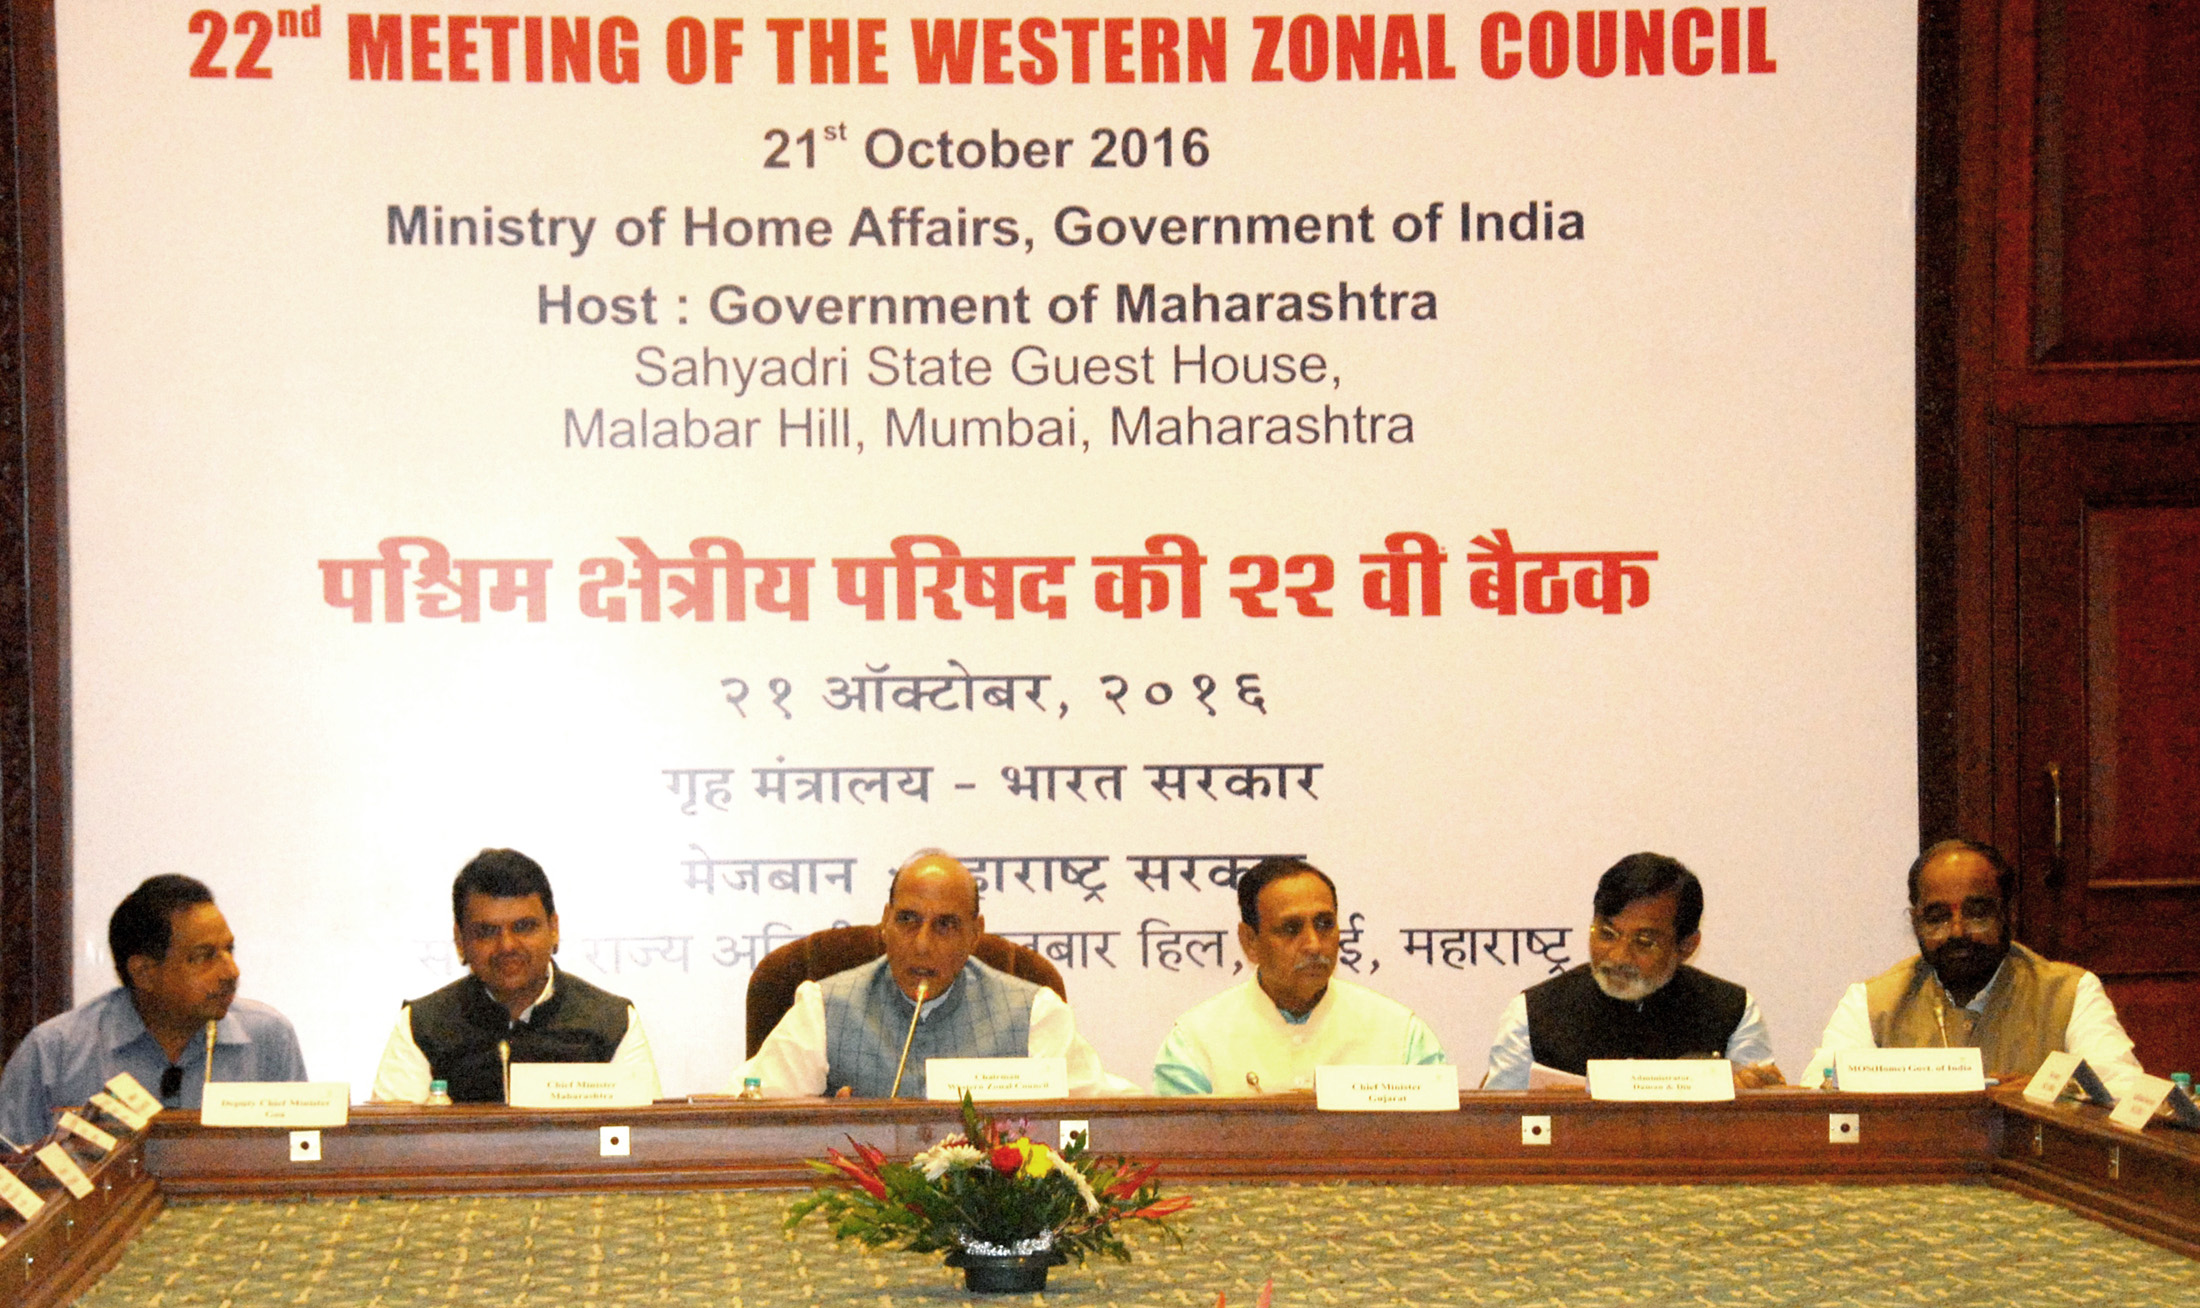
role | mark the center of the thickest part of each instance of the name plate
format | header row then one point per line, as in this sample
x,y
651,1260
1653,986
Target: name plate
x,y
1909,1071
88,1133
19,1196
996,1078
1374,1088
576,1085
65,1170
120,1111
2148,1095
1661,1080
2056,1075
125,1087
276,1103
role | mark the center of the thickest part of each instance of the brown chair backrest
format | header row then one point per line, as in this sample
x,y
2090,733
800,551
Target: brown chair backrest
x,y
822,953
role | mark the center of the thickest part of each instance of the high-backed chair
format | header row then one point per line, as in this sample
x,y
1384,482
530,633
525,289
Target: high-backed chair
x,y
836,949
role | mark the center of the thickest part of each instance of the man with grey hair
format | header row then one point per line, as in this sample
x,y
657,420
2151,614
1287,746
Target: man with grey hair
x,y
843,1035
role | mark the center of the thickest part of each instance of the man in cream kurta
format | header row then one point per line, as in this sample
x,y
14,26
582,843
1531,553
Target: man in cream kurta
x,y
1270,1033
1970,985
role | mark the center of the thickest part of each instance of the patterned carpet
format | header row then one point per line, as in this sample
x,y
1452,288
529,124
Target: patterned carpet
x,y
1323,1245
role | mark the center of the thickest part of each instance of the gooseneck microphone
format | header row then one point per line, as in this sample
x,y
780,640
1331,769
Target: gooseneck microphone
x,y
206,1074
504,1062
908,1040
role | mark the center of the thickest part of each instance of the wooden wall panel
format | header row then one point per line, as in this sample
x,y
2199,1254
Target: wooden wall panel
x,y
2143,719
2117,255
34,642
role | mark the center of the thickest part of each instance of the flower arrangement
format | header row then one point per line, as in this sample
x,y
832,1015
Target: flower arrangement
x,y
989,1189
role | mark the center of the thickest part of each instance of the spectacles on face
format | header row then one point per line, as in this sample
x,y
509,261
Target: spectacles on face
x,y
1978,913
1646,941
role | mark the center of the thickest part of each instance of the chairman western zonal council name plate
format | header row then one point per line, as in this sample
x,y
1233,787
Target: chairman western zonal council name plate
x,y
996,1078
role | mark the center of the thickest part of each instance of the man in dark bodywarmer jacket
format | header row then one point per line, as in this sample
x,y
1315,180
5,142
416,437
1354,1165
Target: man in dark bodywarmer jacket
x,y
1635,997
514,1006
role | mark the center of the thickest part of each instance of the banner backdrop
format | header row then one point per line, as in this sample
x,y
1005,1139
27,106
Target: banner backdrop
x,y
720,453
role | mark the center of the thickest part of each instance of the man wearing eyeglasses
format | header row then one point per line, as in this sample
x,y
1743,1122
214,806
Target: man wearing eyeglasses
x,y
1971,985
1636,997
177,1005
516,1007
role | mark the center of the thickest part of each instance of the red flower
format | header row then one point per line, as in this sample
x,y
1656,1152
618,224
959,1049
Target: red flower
x,y
1164,1208
868,1180
1127,1185
1006,1160
872,1156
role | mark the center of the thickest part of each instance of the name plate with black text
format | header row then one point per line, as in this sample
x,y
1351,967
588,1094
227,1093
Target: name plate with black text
x,y
576,1085
295,1104
1661,1080
1378,1088
1909,1071
996,1078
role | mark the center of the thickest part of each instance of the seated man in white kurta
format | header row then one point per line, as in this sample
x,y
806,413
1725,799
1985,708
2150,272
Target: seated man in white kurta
x,y
1270,1033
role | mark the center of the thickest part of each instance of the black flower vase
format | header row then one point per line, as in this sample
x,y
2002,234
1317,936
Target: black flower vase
x,y
1004,1273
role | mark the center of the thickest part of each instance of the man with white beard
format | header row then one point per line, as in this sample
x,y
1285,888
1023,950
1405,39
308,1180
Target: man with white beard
x,y
1635,997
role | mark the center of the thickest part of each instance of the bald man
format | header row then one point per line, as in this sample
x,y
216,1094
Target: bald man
x,y
843,1035
1971,985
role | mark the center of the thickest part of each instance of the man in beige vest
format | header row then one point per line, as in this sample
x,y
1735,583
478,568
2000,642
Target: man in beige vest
x,y
1972,986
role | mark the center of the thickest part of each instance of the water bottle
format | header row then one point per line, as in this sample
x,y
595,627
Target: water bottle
x,y
2183,1081
439,1093
752,1087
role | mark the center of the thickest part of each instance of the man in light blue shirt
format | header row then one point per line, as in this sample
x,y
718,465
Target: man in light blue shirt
x,y
176,1007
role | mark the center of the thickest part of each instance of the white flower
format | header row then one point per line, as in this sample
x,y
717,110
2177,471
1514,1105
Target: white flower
x,y
949,1155
1084,1187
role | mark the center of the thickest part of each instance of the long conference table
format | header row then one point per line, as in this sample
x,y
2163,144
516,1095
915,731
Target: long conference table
x,y
2147,1184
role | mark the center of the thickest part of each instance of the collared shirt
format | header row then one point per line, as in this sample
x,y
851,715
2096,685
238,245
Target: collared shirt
x,y
792,1063
403,1076
67,1059
1512,1058
2093,1033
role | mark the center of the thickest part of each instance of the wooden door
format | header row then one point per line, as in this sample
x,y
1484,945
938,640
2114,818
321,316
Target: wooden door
x,y
2108,586
2068,374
